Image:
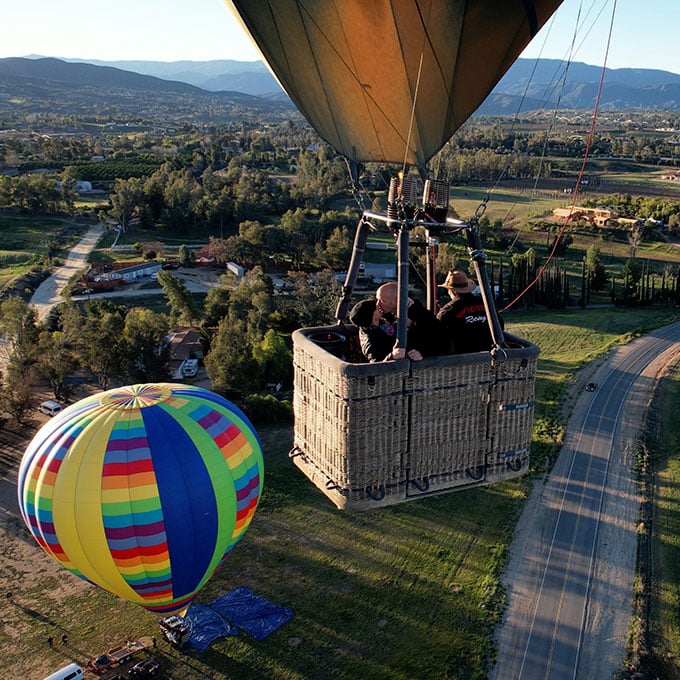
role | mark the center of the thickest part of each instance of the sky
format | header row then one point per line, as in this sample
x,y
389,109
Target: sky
x,y
644,32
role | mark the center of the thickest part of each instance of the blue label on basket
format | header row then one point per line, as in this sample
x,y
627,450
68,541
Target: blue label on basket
x,y
515,407
518,452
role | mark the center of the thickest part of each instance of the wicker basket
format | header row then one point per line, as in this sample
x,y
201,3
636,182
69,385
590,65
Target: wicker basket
x,y
370,435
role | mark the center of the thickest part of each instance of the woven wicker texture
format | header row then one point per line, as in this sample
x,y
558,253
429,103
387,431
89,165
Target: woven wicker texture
x,y
378,434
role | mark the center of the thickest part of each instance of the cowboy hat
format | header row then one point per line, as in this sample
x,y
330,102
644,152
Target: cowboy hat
x,y
458,281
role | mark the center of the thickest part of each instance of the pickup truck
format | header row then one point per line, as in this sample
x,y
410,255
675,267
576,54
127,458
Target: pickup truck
x,y
174,629
115,655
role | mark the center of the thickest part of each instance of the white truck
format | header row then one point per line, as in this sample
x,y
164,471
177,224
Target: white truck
x,y
190,368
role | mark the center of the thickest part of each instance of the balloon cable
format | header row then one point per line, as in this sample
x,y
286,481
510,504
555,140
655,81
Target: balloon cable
x,y
581,172
413,111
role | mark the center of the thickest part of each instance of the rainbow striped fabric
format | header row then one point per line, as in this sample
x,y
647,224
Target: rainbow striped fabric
x,y
143,490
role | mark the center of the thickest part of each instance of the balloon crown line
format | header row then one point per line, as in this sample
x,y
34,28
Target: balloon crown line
x,y
136,396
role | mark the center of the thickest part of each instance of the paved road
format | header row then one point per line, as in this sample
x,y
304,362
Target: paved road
x,y
569,606
49,292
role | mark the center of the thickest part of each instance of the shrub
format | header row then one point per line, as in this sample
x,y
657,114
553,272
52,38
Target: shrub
x,y
268,409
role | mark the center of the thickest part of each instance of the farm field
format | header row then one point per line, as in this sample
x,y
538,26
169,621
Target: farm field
x,y
408,591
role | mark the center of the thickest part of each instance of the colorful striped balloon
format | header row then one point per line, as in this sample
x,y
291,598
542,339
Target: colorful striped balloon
x,y
143,490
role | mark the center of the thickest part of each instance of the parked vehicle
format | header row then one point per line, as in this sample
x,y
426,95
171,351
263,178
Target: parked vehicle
x,y
50,407
190,368
115,656
591,387
145,669
71,672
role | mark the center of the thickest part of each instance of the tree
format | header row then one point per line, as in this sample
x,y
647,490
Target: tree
x,y
182,195
55,360
632,274
274,358
186,256
635,238
18,332
216,305
125,199
253,302
145,347
16,395
230,364
100,337
595,272
315,298
338,249
182,305
19,335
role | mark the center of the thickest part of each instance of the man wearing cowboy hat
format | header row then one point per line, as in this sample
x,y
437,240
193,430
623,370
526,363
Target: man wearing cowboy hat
x,y
464,319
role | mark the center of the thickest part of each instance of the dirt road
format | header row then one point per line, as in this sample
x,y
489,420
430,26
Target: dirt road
x,y
48,293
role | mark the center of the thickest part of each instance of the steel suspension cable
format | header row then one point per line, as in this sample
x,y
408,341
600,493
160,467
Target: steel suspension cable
x,y
583,164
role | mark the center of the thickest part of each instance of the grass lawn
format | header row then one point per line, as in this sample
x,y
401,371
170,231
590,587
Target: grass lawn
x,y
665,605
30,234
569,340
511,206
396,593
24,241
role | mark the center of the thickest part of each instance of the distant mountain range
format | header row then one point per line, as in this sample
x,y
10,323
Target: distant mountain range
x,y
540,84
249,77
54,86
536,84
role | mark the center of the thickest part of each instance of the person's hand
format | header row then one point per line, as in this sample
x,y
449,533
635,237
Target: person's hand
x,y
396,353
414,355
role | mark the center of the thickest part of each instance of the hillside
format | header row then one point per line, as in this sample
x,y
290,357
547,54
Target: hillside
x,y
216,90
57,87
540,84
251,77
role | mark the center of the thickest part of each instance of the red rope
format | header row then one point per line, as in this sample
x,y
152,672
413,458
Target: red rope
x,y
581,172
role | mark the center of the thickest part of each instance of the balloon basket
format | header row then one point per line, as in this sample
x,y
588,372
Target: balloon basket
x,y
371,435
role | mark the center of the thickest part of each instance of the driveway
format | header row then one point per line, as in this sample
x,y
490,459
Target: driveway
x,y
48,293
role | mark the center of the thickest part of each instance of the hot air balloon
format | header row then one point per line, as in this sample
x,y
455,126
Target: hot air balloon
x,y
143,490
391,81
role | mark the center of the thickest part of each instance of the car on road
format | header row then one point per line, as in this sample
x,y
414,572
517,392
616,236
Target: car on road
x,y
591,387
145,669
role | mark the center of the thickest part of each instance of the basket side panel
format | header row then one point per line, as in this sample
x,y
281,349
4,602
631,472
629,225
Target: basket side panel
x,y
350,425
511,413
448,443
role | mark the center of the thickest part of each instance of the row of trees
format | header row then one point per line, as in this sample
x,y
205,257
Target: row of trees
x,y
528,283
245,328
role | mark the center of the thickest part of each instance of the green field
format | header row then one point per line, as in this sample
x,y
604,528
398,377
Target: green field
x,y
665,592
397,593
24,243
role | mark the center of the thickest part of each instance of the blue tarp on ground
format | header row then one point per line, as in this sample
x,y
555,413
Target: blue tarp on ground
x,y
250,612
204,626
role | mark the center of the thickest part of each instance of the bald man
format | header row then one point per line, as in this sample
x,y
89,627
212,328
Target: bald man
x,y
425,334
